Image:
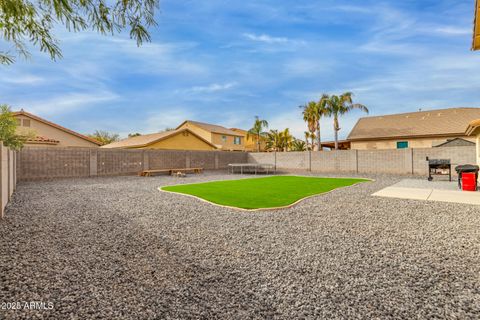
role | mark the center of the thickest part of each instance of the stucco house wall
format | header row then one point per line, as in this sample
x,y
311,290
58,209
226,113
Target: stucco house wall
x,y
180,141
412,143
65,139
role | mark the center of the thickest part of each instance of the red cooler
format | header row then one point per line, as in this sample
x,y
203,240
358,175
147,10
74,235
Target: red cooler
x,y
469,182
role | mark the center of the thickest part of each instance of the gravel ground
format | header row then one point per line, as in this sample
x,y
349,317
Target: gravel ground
x,y
117,248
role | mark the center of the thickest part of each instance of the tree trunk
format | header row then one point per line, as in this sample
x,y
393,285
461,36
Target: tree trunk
x,y
336,139
335,129
313,143
319,140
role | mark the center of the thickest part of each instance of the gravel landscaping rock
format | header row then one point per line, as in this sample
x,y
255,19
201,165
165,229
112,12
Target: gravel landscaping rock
x,y
117,248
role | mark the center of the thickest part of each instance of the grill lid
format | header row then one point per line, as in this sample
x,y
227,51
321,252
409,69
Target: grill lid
x,y
438,161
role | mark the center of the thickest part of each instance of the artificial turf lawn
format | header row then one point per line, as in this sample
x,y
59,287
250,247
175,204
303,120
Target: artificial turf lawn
x,y
256,193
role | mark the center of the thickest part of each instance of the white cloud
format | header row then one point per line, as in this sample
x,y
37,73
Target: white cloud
x,y
214,87
22,79
454,31
68,102
265,38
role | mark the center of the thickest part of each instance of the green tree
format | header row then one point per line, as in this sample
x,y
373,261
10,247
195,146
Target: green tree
x,y
311,136
104,137
298,145
339,105
312,114
8,129
136,134
31,22
286,140
257,130
273,140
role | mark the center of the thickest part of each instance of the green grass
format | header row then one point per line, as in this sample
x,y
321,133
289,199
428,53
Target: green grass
x,y
256,193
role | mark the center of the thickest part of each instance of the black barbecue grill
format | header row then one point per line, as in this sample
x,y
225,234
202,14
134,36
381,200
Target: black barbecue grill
x,y
439,167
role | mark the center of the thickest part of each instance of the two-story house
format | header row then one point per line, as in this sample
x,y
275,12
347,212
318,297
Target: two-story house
x,y
223,138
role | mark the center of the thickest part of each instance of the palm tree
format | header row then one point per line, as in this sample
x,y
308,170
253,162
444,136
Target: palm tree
x,y
322,112
273,140
310,116
257,129
340,105
286,139
298,145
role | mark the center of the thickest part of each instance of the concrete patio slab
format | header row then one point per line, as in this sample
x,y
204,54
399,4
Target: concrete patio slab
x,y
404,193
467,197
430,191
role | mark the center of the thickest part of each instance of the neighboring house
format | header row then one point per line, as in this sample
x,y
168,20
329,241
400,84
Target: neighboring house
x,y
422,129
181,139
342,145
250,141
221,137
48,134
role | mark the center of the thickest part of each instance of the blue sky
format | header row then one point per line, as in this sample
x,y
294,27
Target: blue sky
x,y
226,61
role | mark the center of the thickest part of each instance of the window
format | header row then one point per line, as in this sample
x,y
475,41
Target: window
x,y
237,140
19,122
26,122
224,138
402,144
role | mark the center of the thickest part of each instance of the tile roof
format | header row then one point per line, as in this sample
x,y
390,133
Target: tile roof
x,y
212,128
42,140
147,139
440,122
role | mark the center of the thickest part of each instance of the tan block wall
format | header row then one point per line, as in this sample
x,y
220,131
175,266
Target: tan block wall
x,y
399,162
293,160
44,130
337,161
8,179
412,143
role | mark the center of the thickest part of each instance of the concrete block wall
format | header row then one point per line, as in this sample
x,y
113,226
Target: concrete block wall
x,y
338,161
46,163
385,161
8,179
400,162
293,160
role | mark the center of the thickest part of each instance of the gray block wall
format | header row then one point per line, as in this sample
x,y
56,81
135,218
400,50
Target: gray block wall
x,y
401,161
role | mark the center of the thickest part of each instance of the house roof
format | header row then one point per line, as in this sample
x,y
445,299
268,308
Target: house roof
x,y
42,140
456,142
441,122
32,116
147,139
212,128
239,130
